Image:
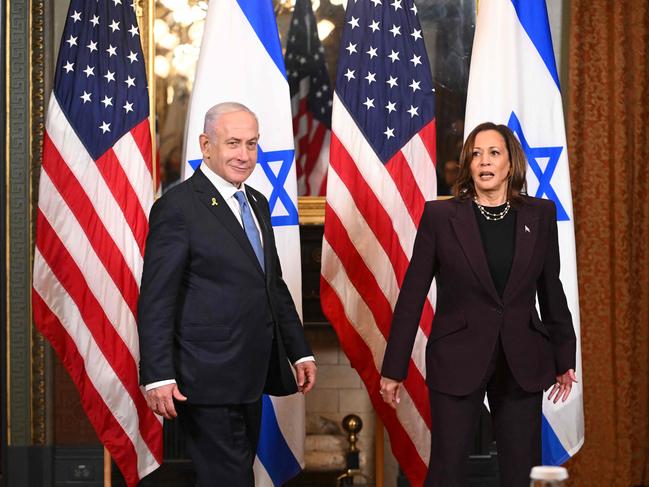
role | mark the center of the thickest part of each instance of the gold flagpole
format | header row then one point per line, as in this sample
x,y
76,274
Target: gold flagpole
x,y
150,55
108,469
379,454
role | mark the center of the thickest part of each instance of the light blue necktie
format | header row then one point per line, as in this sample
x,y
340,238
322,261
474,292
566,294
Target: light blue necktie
x,y
250,228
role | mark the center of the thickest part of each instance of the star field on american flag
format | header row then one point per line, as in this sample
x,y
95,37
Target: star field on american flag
x,y
384,78
100,80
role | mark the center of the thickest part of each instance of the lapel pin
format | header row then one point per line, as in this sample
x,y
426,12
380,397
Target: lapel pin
x,y
527,229
216,203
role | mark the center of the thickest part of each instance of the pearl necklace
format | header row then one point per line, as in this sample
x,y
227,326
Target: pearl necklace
x,y
492,216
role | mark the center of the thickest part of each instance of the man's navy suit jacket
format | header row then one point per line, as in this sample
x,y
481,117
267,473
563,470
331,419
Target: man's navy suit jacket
x,y
208,315
470,316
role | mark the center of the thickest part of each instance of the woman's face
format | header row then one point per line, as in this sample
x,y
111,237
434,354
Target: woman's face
x,y
490,163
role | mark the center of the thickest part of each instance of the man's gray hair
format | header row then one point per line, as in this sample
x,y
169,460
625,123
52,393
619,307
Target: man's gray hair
x,y
216,111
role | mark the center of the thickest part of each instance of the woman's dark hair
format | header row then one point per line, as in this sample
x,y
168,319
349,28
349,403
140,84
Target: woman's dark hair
x,y
464,187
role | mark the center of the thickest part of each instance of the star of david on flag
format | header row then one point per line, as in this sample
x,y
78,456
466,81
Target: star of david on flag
x,y
282,160
513,38
534,155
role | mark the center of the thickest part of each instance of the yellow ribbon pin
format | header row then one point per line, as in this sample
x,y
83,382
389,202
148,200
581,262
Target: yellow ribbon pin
x,y
214,202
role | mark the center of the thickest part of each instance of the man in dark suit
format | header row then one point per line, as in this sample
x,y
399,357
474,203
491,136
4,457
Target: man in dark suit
x,y
216,322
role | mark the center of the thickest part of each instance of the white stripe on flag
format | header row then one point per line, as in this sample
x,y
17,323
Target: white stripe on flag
x,y
100,373
287,408
99,282
363,322
375,174
319,170
132,162
422,167
371,252
85,170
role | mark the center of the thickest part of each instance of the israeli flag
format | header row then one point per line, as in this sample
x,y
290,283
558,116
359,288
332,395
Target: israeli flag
x,y
513,80
241,60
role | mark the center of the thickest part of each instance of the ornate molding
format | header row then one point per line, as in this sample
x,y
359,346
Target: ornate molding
x,y
18,238
38,356
311,210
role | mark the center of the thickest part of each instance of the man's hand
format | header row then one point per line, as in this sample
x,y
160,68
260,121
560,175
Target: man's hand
x,y
390,391
563,386
306,372
161,400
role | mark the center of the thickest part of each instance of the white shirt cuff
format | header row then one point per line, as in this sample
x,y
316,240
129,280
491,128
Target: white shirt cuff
x,y
160,383
310,358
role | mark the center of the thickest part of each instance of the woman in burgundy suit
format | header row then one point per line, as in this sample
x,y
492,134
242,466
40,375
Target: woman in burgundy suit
x,y
492,251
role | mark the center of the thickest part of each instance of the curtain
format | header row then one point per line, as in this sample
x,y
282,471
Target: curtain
x,y
608,113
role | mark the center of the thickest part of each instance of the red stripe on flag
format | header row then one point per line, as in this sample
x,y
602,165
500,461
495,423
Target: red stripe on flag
x,y
299,172
108,430
108,340
359,274
315,146
428,135
302,147
426,320
125,196
301,111
310,135
75,197
323,186
142,135
405,182
361,359
376,217
369,206
370,291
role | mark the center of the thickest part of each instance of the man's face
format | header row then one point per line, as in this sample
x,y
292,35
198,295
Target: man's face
x,y
230,147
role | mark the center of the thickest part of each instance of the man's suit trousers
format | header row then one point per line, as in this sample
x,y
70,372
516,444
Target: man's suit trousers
x,y
222,441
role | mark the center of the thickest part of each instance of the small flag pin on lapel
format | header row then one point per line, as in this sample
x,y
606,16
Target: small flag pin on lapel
x,y
527,229
216,203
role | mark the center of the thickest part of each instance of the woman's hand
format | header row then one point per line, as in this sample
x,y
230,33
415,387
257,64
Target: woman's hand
x,y
563,386
390,390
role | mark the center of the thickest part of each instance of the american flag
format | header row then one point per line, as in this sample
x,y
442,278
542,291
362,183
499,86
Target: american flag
x,y
382,170
96,191
311,100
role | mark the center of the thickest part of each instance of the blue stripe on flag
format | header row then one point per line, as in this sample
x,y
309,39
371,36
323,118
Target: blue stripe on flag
x,y
533,16
261,16
194,163
553,451
273,451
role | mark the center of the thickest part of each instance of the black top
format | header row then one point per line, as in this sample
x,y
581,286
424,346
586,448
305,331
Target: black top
x,y
498,239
